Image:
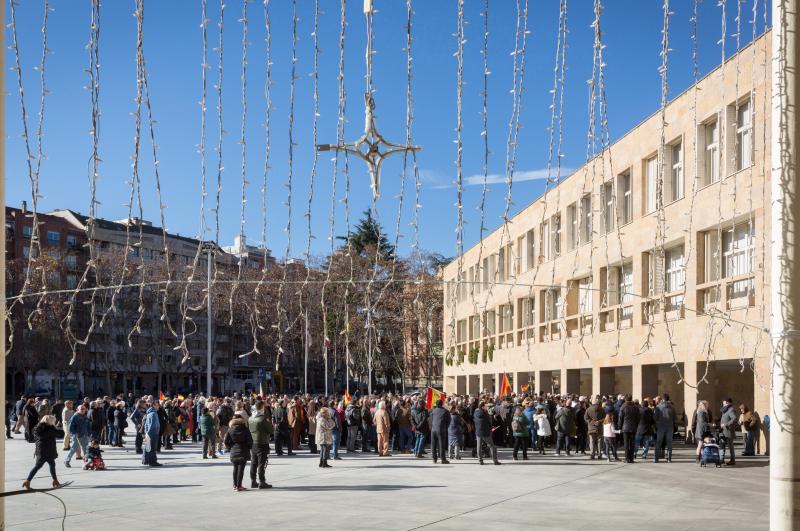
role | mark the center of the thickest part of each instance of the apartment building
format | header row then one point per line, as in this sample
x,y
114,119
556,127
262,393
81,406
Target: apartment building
x,y
595,289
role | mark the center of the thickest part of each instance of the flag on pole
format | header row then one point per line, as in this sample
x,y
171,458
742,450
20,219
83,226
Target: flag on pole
x,y
261,390
505,386
347,397
525,388
432,396
161,396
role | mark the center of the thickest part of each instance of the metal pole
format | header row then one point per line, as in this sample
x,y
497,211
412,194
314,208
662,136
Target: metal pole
x,y
3,267
347,366
784,469
430,347
305,354
209,323
325,355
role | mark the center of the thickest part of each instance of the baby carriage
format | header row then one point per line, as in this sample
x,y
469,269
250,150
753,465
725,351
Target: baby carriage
x,y
94,460
710,451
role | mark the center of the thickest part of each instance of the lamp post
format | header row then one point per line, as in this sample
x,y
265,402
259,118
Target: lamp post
x,y
210,249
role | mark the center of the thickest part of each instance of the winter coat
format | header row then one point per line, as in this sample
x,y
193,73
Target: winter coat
x,y
594,419
31,416
419,419
542,425
646,422
324,434
481,420
664,416
120,419
311,415
382,422
45,437
440,419
403,417
728,421
456,428
260,429
565,420
238,441
79,425
206,425
520,426
702,424
152,424
629,418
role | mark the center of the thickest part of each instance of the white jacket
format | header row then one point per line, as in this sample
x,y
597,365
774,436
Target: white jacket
x,y
542,425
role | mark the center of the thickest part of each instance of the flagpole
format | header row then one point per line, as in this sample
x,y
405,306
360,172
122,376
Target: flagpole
x,y
325,355
305,364
347,367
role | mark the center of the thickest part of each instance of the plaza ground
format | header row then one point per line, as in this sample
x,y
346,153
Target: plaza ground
x,y
399,492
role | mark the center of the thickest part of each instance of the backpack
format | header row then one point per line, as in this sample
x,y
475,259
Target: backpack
x,y
516,426
354,417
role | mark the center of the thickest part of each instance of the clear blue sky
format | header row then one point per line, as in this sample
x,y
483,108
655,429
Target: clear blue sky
x,y
173,52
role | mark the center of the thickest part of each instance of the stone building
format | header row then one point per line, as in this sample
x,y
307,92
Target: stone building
x,y
590,290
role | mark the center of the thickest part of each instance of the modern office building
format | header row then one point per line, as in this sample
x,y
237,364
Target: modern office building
x,y
645,271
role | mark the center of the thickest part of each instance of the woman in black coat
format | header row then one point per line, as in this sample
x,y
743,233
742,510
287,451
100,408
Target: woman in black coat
x,y
45,437
120,423
238,441
31,419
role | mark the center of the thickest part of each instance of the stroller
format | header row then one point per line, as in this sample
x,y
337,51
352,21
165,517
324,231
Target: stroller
x,y
94,459
710,450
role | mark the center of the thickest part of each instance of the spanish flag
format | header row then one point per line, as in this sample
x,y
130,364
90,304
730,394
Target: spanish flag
x,y
505,386
181,397
161,396
433,396
347,397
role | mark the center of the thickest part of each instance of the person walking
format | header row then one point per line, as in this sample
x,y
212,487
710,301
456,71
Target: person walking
x,y
664,418
238,442
701,425
324,435
440,421
520,427
629,416
44,434
383,428
260,430
151,429
66,415
79,429
481,421
728,421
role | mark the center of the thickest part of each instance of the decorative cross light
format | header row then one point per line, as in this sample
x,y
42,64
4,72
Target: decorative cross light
x,y
370,147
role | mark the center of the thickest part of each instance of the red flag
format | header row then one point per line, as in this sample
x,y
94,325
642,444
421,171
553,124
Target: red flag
x,y
505,386
347,397
432,396
161,396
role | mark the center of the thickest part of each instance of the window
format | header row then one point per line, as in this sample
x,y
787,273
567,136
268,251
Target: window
x,y
651,179
501,265
521,263
72,242
710,167
475,327
544,240
676,172
26,252
655,273
676,269
72,281
625,287
530,246
528,312
608,207
53,278
489,320
586,218
585,294
53,237
553,305
738,250
72,261
572,226
744,136
506,318
485,273
555,235
27,231
461,331
624,199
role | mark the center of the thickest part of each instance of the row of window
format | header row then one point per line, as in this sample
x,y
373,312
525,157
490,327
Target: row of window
x,y
616,196
727,254
53,237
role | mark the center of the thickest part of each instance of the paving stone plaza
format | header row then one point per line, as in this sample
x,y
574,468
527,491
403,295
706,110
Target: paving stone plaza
x,y
398,492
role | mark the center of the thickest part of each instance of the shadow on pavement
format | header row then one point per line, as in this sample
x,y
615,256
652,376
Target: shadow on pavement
x,y
325,488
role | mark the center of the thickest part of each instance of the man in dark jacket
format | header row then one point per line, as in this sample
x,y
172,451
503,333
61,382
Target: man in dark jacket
x,y
729,422
483,433
137,417
419,423
644,432
260,429
565,425
664,417
440,420
97,417
594,424
280,418
629,422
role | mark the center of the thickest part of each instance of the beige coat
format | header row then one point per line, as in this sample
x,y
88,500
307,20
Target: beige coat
x,y
382,423
324,427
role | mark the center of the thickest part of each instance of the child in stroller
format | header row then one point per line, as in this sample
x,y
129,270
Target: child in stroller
x,y
94,457
710,450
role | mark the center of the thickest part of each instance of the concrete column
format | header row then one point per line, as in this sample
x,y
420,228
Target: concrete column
x,y
690,396
784,470
596,381
636,381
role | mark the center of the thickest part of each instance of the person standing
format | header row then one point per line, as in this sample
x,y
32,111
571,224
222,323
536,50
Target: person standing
x,y
629,416
151,429
482,423
324,435
120,423
455,433
749,426
311,416
368,434
137,417
19,413
440,421
31,419
260,431
644,432
352,415
403,419
609,436
728,423
419,424
79,428
594,424
44,434
281,424
520,426
239,443
664,418
224,415
383,428
208,432
565,425
543,429
336,432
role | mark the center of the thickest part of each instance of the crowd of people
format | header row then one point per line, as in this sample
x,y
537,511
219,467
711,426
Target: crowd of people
x,y
246,428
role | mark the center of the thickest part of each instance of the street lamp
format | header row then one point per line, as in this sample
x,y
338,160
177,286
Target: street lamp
x,y
210,249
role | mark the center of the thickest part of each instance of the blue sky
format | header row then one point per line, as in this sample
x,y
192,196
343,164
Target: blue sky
x,y
632,34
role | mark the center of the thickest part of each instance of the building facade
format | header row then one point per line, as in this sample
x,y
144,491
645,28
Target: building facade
x,y
645,271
